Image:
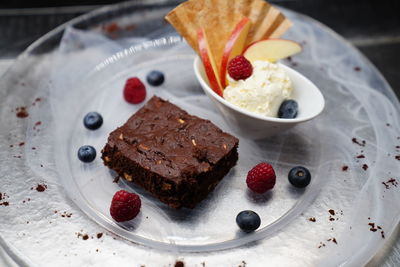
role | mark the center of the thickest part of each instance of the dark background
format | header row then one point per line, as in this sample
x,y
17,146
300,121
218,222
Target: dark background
x,y
373,26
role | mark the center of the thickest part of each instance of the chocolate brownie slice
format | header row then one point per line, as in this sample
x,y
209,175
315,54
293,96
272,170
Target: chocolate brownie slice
x,y
177,157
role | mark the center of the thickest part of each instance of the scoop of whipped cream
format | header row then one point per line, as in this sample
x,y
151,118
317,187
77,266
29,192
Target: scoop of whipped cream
x,y
263,92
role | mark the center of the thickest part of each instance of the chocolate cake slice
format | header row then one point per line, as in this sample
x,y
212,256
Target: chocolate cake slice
x,y
177,157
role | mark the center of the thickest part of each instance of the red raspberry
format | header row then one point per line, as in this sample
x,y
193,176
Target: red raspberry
x,y
124,206
134,91
261,178
239,68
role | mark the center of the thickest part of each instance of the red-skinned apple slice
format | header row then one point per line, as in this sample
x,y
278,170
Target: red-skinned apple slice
x,y
271,50
210,66
234,47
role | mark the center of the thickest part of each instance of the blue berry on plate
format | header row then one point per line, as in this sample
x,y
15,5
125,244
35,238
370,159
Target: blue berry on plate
x,y
93,120
299,176
155,78
288,109
87,153
248,220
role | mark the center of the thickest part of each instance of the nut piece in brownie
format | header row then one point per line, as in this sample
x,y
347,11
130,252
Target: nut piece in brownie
x,y
177,157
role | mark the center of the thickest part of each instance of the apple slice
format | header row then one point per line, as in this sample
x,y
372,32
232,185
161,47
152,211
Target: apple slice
x,y
271,50
234,47
210,66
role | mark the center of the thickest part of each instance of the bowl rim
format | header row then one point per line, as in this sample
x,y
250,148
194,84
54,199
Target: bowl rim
x,y
196,65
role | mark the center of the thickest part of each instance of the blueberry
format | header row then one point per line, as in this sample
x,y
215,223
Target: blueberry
x,y
288,109
93,120
155,78
87,153
299,177
248,220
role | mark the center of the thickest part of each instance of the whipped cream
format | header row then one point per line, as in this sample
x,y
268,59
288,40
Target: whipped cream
x,y
263,92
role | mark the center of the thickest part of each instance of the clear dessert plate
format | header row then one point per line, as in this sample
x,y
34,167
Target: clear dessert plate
x,y
55,209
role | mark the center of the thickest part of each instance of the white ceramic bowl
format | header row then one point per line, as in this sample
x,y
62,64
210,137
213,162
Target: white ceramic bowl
x,y
248,124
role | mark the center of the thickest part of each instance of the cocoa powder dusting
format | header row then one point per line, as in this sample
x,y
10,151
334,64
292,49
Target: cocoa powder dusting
x,y
41,187
22,112
355,141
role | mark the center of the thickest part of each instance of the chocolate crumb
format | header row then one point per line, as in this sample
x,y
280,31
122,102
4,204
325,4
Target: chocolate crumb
x,y
345,168
85,237
5,203
116,179
383,234
11,145
41,187
397,157
380,228
21,144
33,148
331,218
334,240
179,264
41,165
355,141
22,112
357,69
332,212
365,167
312,219
360,156
99,235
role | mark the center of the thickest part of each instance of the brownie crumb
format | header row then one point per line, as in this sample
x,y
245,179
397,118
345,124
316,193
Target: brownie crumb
x,y
365,167
332,212
360,156
111,27
321,245
331,218
390,182
357,69
21,144
99,235
116,179
397,157
22,112
355,141
383,234
85,237
41,187
312,219
41,165
5,204
334,240
345,168
243,264
179,264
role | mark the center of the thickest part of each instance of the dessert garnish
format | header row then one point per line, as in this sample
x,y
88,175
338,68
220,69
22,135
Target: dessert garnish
x,y
134,91
261,178
86,153
240,68
221,30
177,157
288,109
299,176
155,78
125,206
248,221
93,120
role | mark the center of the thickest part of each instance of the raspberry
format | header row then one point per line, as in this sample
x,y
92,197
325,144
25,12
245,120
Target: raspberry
x,y
239,68
261,178
124,206
134,91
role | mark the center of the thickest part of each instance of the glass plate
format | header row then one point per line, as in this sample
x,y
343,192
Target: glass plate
x,y
88,71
